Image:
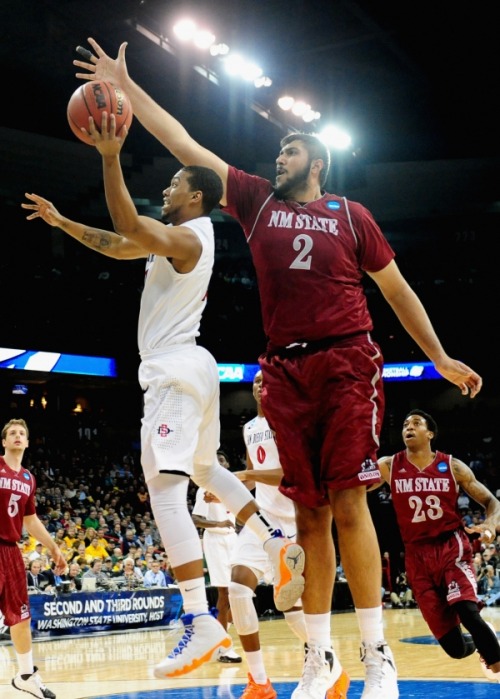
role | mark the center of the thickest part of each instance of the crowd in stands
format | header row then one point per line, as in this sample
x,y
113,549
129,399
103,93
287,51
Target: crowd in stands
x,y
97,507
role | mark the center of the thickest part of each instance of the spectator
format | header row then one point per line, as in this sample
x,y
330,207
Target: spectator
x,y
402,596
95,571
155,577
73,576
37,551
96,550
91,520
131,574
489,586
35,578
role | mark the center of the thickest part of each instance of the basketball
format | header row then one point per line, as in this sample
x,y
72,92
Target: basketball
x,y
92,99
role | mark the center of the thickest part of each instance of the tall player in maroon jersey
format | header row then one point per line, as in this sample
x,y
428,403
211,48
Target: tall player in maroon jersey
x,y
17,510
425,485
322,371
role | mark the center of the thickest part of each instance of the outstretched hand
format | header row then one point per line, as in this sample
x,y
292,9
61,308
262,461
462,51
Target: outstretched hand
x,y
42,208
468,381
100,66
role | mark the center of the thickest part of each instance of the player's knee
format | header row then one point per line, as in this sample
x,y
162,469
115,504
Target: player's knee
x,y
243,610
456,645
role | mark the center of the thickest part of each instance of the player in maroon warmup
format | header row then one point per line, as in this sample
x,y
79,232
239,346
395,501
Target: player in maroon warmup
x,y
17,510
322,371
425,486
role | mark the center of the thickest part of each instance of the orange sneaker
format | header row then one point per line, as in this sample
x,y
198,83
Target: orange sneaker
x,y
288,562
339,689
258,691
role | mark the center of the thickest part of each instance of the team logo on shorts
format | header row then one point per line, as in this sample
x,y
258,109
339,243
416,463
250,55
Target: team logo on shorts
x,y
453,591
164,430
25,612
369,471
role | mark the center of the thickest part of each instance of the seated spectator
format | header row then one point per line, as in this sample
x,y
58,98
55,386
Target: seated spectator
x,y
91,520
36,580
132,576
103,540
489,586
70,535
37,551
402,596
80,539
155,577
129,540
96,550
82,558
74,576
95,571
107,567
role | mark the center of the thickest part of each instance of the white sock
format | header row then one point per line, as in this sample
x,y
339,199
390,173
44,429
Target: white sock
x,y
256,667
296,622
194,596
259,526
25,662
319,629
370,624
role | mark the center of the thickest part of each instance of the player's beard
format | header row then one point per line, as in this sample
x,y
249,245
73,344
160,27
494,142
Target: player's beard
x,y
291,184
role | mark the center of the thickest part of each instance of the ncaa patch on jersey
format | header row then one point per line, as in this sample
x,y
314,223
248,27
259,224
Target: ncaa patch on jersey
x,y
333,205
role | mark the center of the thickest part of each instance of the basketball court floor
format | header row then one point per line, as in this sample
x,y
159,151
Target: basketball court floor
x,y
121,665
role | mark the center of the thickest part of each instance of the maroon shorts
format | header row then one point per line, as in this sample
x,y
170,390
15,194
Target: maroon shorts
x,y
326,408
14,602
441,574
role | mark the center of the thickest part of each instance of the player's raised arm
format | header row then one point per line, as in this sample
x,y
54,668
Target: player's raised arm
x,y
155,119
105,242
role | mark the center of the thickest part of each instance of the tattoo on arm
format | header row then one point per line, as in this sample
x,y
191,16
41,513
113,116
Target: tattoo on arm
x,y
96,238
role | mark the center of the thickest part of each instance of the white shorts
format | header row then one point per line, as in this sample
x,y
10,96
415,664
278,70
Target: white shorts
x,y
180,424
249,550
217,549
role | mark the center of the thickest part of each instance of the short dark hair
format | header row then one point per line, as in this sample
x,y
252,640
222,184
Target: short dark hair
x,y
315,147
431,423
208,182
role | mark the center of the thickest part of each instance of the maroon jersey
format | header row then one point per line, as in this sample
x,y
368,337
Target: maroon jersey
x,y
309,259
425,501
17,499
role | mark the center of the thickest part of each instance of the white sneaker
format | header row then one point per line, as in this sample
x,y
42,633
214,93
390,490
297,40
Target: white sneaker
x,y
202,640
288,561
489,674
228,656
32,684
381,680
322,676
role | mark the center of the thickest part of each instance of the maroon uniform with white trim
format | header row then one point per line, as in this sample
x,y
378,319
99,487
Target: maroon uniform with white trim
x,y
438,553
323,396
17,499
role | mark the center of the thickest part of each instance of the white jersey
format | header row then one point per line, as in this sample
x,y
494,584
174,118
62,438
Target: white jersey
x,y
172,304
263,452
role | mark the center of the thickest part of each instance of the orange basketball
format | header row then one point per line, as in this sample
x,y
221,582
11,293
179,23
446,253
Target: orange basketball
x,y
92,99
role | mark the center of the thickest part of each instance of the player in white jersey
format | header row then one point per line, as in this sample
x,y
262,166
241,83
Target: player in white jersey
x,y
219,538
180,427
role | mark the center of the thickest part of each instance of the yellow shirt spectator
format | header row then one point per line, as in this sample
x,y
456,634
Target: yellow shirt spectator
x,y
96,550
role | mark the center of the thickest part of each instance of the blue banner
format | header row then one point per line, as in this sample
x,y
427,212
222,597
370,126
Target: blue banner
x,y
84,612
